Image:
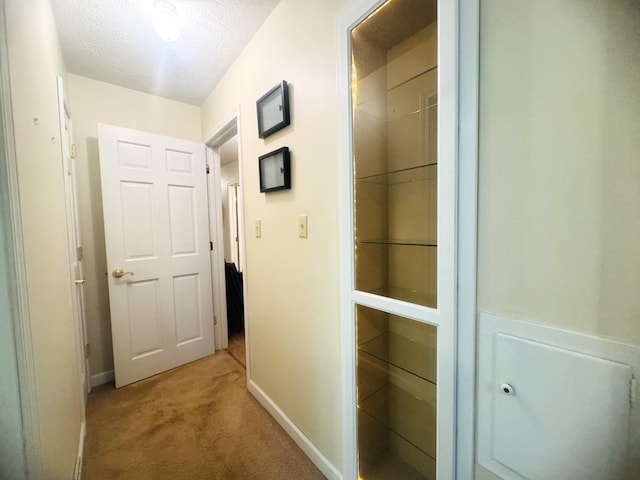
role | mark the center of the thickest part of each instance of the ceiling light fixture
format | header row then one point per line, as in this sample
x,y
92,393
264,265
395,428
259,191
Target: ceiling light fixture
x,y
166,20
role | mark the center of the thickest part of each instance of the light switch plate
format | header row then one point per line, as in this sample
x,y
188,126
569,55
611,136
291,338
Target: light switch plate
x,y
302,226
258,228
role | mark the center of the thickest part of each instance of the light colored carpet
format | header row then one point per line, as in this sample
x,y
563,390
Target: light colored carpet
x,y
195,422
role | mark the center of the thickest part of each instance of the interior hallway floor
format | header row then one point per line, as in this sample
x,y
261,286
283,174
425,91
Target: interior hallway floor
x,y
197,421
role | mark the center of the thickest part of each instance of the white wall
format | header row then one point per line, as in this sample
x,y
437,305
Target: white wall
x,y
94,102
559,171
292,299
35,61
560,164
12,453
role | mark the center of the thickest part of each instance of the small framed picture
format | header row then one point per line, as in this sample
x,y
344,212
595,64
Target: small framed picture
x,y
273,110
275,170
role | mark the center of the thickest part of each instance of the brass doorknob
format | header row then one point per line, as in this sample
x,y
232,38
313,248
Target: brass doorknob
x,y
119,273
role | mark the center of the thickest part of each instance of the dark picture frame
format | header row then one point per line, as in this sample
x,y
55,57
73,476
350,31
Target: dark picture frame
x,y
273,110
275,170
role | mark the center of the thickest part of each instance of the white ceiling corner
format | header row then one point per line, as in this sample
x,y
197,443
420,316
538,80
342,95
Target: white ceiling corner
x,y
114,41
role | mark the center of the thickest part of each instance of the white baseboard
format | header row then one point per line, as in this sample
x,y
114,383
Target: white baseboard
x,y
102,378
77,471
319,460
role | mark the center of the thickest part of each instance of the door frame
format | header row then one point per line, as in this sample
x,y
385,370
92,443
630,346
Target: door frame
x,y
463,29
73,233
467,226
234,222
229,127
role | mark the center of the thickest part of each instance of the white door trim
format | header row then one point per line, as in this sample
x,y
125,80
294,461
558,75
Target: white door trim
x,y
21,318
216,236
233,193
76,269
345,222
229,127
468,86
73,228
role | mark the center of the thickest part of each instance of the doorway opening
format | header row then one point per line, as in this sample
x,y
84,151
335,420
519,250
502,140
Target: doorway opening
x,y
231,191
225,197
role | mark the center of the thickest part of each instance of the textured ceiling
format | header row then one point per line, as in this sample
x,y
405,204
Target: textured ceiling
x,y
114,41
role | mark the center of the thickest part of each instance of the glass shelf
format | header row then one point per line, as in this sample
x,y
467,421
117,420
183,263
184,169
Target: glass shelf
x,y
410,355
379,177
395,241
396,395
406,295
408,416
388,466
398,208
400,85
404,271
399,459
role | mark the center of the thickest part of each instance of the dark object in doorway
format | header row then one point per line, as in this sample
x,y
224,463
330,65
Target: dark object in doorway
x,y
235,301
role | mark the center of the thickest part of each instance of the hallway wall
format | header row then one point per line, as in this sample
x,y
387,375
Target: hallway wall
x,y
560,165
292,302
35,60
94,102
559,170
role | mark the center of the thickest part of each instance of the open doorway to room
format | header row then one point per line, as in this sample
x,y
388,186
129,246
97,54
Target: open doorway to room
x,y
227,235
231,193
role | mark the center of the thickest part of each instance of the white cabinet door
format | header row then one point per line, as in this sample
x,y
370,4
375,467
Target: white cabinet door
x,y
157,239
554,404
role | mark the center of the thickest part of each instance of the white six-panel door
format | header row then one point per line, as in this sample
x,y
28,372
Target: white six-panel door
x,y
157,235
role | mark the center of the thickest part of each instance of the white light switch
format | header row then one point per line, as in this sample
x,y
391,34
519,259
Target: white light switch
x,y
302,226
258,229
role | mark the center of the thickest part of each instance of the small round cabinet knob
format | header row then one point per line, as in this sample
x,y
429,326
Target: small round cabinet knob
x,y
508,389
